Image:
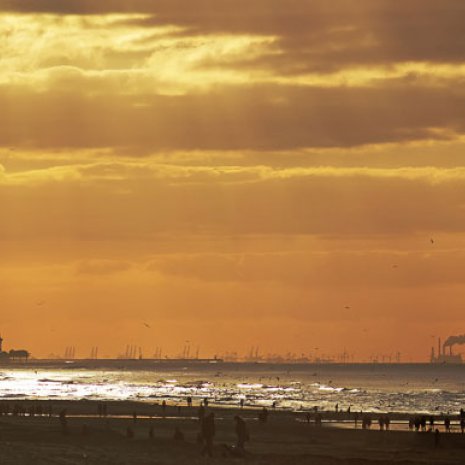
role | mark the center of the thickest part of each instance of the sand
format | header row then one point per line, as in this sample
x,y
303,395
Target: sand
x,y
284,439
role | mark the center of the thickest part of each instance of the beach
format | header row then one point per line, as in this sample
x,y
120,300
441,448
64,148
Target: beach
x,y
285,438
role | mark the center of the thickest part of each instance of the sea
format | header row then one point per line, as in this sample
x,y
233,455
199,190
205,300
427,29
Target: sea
x,y
404,388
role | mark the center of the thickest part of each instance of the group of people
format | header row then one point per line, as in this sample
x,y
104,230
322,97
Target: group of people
x,y
418,423
207,430
21,410
207,433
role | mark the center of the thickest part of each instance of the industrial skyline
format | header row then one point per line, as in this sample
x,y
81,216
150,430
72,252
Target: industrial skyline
x,y
443,354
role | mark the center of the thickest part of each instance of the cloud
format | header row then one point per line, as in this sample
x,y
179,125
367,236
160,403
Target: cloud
x,y
140,200
313,35
255,117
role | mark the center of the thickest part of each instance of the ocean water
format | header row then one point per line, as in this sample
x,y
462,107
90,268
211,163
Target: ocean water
x,y
374,387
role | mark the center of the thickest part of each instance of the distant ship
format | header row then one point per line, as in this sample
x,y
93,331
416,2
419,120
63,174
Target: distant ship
x,y
445,353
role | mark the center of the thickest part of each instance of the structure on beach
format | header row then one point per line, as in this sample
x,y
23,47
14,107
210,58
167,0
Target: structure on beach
x,y
21,355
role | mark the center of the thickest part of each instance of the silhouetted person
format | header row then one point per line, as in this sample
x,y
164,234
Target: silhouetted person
x,y
205,401
462,425
134,416
63,422
241,403
201,413
208,433
381,423
423,423
163,406
431,423
189,401
308,417
447,424
387,422
178,434
263,415
436,438
242,432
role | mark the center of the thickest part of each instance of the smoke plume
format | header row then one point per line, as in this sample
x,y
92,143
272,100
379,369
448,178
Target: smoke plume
x,y
452,340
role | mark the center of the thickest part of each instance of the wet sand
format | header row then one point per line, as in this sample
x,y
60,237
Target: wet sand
x,y
285,438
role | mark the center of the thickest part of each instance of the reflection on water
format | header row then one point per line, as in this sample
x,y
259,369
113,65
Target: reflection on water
x,y
383,388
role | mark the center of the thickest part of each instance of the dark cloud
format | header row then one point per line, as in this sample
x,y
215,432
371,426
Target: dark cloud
x,y
314,35
261,117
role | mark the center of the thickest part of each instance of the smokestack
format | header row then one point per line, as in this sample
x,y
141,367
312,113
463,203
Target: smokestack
x,y
439,347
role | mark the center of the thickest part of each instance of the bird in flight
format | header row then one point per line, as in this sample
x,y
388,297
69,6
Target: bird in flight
x,y
40,303
146,325
347,307
432,241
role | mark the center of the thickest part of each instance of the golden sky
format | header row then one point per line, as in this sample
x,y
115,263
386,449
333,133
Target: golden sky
x,y
233,173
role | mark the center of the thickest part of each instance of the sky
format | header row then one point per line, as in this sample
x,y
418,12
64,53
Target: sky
x,y
284,174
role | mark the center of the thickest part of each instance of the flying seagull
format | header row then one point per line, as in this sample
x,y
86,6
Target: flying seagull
x,y
146,325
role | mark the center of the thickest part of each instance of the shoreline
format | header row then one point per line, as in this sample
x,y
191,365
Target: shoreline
x,y
328,416
281,440
154,410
